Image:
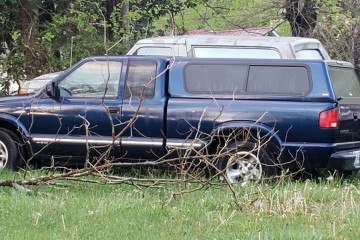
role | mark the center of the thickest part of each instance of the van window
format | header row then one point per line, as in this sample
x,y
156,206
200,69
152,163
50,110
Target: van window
x,y
278,80
308,54
344,81
155,51
219,78
232,52
140,80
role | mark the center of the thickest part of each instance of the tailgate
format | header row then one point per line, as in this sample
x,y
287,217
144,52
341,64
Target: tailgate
x,y
349,122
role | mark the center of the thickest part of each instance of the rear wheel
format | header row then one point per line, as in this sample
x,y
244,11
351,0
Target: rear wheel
x,y
247,162
9,151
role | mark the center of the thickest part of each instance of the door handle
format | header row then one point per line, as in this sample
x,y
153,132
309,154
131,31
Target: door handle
x,y
113,109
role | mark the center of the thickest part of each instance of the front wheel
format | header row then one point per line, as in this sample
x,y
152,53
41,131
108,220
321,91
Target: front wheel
x,y
246,162
9,152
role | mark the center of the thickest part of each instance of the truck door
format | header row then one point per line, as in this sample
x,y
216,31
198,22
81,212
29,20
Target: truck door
x,y
86,115
143,110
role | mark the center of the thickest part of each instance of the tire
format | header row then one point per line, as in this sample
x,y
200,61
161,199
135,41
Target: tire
x,y
9,152
247,162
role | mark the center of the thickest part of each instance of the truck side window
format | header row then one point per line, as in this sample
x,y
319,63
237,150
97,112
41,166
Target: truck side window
x,y
288,80
216,78
93,79
140,80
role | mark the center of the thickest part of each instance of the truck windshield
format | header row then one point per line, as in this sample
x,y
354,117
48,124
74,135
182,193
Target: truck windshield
x,y
345,82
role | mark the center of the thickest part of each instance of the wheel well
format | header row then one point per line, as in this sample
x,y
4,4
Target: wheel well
x,y
10,128
240,134
15,133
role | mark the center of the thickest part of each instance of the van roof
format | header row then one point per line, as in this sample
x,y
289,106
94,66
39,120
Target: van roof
x,y
223,39
295,43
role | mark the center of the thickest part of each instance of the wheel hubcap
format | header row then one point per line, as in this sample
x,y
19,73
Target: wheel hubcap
x,y
4,155
243,167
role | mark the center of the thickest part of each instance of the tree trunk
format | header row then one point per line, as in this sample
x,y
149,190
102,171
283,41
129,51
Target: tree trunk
x,y
28,37
46,13
122,23
353,7
302,16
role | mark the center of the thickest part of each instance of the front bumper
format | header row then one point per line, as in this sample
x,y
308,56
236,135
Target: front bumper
x,y
344,161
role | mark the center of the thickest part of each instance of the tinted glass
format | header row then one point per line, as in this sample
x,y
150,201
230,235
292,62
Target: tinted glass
x,y
231,52
93,79
211,78
278,80
308,54
345,82
140,80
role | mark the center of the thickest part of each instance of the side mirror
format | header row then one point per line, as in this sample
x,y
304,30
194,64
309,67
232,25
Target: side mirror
x,y
52,90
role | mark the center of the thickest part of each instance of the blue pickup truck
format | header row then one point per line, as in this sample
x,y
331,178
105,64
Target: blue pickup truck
x,y
250,118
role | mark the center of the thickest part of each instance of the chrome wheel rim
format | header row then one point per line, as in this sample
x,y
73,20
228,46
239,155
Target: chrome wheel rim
x,y
243,167
4,155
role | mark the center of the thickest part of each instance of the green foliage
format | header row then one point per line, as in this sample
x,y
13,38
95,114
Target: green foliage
x,y
76,34
222,15
143,13
156,8
67,33
7,23
337,28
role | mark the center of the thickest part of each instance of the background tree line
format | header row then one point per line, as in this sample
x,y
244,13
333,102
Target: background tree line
x,y
39,36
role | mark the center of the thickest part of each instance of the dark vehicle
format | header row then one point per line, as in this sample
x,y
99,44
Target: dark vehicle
x,y
252,116
33,85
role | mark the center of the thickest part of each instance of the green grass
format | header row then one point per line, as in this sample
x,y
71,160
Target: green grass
x,y
289,210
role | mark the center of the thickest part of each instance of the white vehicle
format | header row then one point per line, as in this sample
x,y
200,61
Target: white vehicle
x,y
33,85
225,46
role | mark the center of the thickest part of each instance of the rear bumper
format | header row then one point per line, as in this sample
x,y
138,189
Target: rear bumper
x,y
344,161
334,156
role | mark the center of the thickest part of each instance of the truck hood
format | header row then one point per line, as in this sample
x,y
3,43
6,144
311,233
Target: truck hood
x,y
16,104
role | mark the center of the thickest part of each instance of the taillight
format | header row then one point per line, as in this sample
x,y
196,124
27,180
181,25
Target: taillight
x,y
329,118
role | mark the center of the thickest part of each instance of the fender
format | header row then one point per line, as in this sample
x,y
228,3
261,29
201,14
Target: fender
x,y
16,123
249,125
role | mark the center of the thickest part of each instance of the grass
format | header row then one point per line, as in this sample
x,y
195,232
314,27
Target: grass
x,y
306,209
